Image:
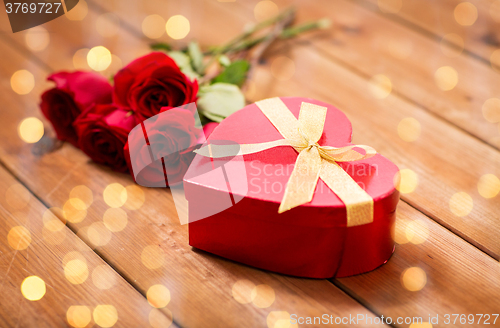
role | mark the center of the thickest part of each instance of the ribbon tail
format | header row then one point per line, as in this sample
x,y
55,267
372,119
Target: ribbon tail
x,y
302,183
220,151
359,205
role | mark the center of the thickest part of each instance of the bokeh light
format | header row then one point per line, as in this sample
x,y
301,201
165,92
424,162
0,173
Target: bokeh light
x,y
78,316
399,232
380,86
79,12
153,257
417,231
105,315
19,238
242,291
107,24
37,38
153,26
461,204
413,279
282,68
115,219
279,319
99,58
265,9
98,234
446,78
160,319
115,195
135,197
30,130
420,325
456,40
491,110
33,288
409,129
488,186
158,296
74,210
22,82
76,271
104,277
177,27
80,59
263,296
495,11
17,196
82,193
495,60
390,6
465,13
406,181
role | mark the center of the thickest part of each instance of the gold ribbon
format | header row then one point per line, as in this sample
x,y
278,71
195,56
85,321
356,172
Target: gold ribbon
x,y
313,162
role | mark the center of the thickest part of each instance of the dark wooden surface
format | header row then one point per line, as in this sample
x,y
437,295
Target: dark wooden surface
x,y
443,263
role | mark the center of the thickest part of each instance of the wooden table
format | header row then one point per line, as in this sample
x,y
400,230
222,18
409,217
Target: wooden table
x,y
381,62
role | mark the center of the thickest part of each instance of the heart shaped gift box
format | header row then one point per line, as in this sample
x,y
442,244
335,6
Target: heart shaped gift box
x,y
234,201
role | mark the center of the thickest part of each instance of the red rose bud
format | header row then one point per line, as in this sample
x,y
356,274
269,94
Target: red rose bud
x,y
102,133
160,149
151,82
74,92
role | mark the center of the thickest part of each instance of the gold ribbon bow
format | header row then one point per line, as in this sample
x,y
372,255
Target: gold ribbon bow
x,y
313,162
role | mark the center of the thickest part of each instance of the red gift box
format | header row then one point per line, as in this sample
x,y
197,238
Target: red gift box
x,y
233,202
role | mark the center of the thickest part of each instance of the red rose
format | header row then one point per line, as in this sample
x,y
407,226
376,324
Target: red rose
x,y
102,133
74,92
151,82
172,136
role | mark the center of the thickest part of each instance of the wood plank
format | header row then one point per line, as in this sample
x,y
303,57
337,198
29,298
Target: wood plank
x,y
200,284
480,39
50,253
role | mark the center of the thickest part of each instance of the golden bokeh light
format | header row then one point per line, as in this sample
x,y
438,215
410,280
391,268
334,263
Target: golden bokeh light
x,y
19,238
30,130
177,27
160,319
104,277
78,316
107,25
242,291
461,204
153,257
115,219
135,197
76,271
495,11
420,325
417,231
488,186
263,296
17,197
99,58
33,288
406,181
80,59
81,194
491,110
495,60
37,38
105,315
265,9
457,42
98,234
390,6
158,296
153,26
413,279
400,49
282,68
409,129
465,13
115,195
22,82
73,255
279,319
74,210
79,12
446,78
380,86
398,234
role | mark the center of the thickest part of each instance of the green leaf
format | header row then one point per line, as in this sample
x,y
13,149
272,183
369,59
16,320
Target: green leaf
x,y
219,100
234,73
160,46
196,56
182,60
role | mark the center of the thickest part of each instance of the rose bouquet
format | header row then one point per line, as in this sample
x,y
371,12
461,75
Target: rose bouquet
x,y
97,117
